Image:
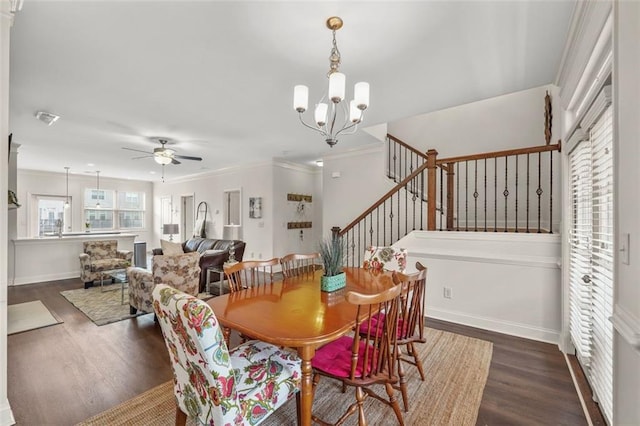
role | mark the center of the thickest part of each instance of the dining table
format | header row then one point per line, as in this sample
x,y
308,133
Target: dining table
x,y
297,314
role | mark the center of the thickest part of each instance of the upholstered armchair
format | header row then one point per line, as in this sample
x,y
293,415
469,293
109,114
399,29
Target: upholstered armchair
x,y
215,385
100,257
180,271
385,259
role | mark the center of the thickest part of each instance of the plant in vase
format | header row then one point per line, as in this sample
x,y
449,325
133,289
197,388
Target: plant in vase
x,y
332,252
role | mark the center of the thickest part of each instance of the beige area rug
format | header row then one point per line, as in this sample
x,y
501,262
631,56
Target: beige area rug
x,y
456,369
29,316
102,307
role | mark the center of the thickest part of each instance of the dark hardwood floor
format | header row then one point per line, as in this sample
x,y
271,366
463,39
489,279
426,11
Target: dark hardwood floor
x,y
62,374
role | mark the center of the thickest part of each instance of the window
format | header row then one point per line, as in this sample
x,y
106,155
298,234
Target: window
x,y
126,213
591,252
52,216
131,210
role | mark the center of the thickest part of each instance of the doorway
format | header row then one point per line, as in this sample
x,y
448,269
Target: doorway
x,y
187,216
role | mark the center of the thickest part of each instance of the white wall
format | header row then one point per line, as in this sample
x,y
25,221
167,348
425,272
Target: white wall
x,y
6,416
505,282
31,182
265,237
291,178
626,315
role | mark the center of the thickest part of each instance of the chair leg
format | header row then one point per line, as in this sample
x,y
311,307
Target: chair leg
x,y
362,421
298,411
403,384
181,418
132,310
88,284
394,403
414,354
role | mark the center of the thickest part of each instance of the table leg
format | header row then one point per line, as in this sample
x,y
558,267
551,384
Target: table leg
x,y
306,354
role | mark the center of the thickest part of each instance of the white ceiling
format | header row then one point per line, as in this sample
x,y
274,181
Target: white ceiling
x,y
218,77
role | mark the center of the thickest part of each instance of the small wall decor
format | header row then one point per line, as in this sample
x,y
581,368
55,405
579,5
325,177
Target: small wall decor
x,y
298,225
299,197
255,207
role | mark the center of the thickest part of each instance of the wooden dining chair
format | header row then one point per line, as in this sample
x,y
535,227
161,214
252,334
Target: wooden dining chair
x,y
215,385
250,273
297,264
362,361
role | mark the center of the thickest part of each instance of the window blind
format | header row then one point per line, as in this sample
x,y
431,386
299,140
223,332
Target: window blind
x,y
591,255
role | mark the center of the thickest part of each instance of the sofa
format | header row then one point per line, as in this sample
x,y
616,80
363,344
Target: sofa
x,y
213,253
101,257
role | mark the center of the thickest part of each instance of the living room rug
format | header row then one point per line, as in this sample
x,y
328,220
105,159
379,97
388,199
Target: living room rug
x,y
29,316
101,307
455,367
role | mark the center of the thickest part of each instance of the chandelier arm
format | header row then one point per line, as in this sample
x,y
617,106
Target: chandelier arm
x,y
322,132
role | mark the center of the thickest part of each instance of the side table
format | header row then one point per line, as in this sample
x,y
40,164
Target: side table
x,y
221,278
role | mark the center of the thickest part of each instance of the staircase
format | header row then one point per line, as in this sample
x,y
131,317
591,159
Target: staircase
x,y
501,191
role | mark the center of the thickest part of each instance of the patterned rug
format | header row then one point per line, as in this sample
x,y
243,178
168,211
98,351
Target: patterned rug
x,y
101,307
456,369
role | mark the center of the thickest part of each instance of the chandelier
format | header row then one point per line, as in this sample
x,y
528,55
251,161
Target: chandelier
x,y
331,115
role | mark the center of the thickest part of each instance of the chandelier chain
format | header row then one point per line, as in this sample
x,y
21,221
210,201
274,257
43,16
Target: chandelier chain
x,y
334,56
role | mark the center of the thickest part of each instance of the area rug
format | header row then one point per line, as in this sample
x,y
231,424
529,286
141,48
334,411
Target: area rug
x,y
101,307
29,316
455,366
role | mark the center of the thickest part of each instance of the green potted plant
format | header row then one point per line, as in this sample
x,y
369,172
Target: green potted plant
x,y
332,252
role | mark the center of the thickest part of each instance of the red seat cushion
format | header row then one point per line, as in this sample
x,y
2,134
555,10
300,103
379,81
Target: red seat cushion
x,y
335,358
364,327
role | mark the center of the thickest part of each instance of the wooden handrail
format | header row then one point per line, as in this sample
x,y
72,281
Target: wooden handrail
x,y
505,153
406,146
377,204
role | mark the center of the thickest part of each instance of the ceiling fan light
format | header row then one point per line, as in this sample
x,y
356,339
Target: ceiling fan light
x,y
162,159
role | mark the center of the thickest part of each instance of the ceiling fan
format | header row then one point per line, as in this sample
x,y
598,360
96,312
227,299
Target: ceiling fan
x,y
163,155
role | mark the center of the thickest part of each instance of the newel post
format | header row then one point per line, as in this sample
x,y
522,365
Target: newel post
x,y
335,231
431,189
450,180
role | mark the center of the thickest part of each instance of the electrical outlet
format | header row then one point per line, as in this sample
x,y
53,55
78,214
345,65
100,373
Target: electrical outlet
x,y
447,292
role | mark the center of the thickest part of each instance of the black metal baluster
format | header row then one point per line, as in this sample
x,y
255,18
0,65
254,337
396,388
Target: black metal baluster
x,y
378,226
539,190
551,192
506,191
528,189
406,208
466,196
516,219
475,196
384,222
486,195
458,196
422,209
495,195
441,199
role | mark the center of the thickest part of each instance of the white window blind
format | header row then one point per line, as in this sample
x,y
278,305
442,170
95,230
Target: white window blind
x,y
591,256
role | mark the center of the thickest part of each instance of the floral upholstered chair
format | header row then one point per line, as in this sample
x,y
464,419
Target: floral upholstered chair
x,y
385,259
212,384
100,257
180,271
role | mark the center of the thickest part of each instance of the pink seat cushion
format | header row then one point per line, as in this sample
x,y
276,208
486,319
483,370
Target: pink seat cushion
x,y
364,327
335,358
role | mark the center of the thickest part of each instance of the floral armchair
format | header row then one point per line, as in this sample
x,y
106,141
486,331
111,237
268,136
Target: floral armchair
x,y
212,384
385,258
180,271
100,257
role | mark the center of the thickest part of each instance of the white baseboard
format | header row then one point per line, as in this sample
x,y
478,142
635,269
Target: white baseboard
x,y
513,329
46,277
6,415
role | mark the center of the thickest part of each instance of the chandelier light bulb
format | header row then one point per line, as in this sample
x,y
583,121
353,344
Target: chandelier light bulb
x,y
162,159
321,114
361,95
337,82
300,98
355,114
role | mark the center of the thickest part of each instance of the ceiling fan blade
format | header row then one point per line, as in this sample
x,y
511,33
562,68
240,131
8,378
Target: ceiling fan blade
x,y
142,156
137,150
174,161
186,157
